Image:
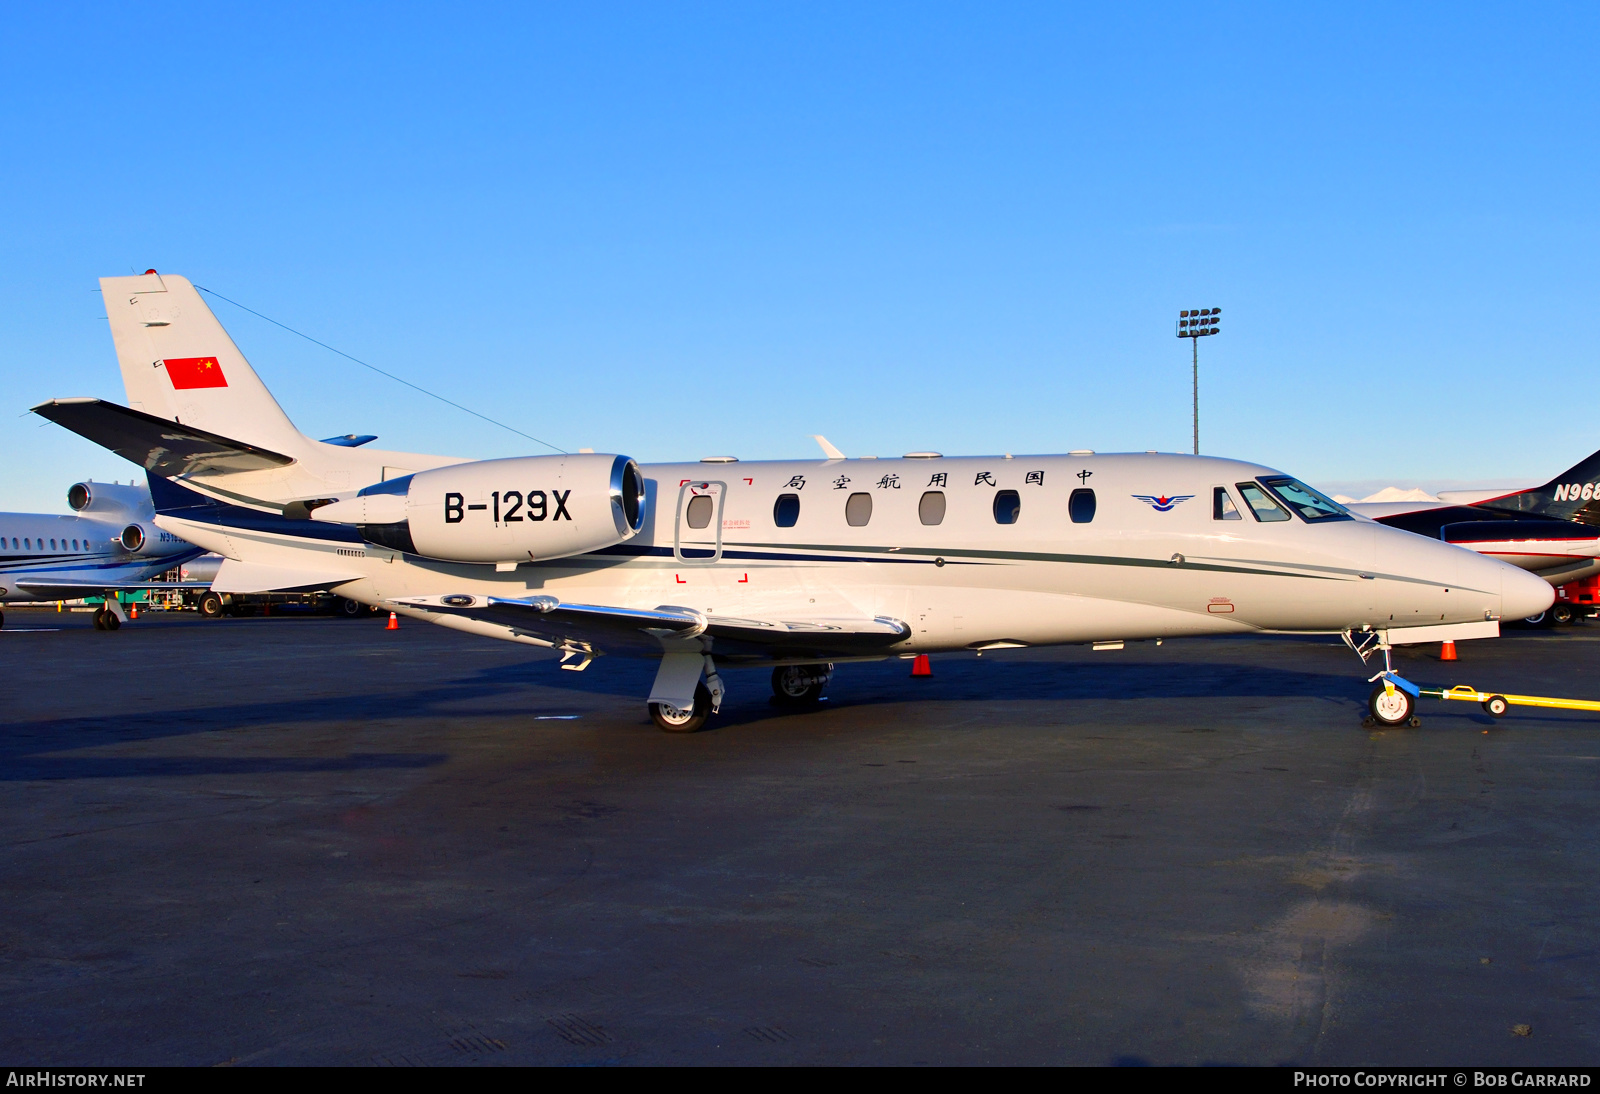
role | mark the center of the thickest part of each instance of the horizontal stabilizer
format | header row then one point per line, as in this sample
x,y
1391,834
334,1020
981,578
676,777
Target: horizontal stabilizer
x,y
234,576
159,446
604,627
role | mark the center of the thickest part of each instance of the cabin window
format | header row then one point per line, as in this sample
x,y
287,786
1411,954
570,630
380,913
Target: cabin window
x,y
1222,507
786,510
700,509
930,510
1080,506
1261,506
1007,507
52,545
28,543
858,510
1308,503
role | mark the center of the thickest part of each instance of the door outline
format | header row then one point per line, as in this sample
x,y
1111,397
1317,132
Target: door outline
x,y
686,492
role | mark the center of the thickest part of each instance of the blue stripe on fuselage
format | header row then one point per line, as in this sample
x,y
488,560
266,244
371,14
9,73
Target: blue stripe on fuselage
x,y
173,500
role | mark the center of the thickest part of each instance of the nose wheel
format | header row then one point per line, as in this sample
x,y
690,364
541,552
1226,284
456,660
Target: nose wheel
x,y
1390,706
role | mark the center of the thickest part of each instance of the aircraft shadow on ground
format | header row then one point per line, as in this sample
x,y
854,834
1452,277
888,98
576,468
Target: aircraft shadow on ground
x,y
32,750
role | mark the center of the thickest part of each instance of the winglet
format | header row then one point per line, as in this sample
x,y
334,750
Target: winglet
x,y
827,449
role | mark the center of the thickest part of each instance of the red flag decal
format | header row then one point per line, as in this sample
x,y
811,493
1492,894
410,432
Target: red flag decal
x,y
188,372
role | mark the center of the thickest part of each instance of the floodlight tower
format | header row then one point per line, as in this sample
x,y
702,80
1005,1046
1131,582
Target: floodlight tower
x,y
1195,324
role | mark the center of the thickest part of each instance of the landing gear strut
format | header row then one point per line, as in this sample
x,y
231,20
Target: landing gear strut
x,y
800,685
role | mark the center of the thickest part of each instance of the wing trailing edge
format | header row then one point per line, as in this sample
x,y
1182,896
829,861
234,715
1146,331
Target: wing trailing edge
x,y
601,627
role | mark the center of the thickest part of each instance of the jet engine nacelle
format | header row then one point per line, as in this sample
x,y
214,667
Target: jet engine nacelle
x,y
513,510
108,499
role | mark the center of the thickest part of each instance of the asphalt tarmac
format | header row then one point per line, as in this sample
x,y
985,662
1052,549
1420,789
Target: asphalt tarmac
x,y
290,841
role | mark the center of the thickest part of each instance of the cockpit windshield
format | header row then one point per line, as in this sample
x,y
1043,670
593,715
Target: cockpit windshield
x,y
1307,503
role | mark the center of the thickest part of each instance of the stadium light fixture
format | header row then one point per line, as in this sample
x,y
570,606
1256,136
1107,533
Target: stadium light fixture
x,y
1195,324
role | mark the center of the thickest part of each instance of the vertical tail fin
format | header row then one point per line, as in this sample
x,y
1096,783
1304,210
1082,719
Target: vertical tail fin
x,y
177,362
1572,495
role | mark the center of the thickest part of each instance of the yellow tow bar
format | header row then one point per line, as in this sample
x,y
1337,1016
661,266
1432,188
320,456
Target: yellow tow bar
x,y
1498,704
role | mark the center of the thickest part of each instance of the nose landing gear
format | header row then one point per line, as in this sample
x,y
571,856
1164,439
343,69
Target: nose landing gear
x,y
1394,701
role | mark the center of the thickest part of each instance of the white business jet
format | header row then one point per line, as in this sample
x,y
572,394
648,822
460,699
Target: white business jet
x,y
797,564
112,544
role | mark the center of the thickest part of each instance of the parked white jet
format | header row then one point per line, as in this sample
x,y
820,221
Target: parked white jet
x,y
796,564
112,545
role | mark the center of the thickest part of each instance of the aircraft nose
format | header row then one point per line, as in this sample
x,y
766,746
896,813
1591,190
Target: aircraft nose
x,y
1523,594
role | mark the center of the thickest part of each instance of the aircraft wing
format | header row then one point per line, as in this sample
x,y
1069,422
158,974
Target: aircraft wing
x,y
164,447
636,630
72,590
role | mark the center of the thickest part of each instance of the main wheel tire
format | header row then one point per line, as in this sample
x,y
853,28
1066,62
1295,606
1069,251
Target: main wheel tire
x,y
210,606
677,720
2,619
350,609
112,622
1563,615
100,619
1540,620
1496,705
799,685
1391,708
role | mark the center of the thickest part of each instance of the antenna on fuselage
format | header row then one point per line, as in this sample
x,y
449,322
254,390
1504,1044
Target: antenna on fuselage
x,y
827,449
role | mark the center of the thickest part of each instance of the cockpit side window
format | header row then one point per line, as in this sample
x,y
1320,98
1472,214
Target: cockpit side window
x,y
1222,507
1262,507
1311,506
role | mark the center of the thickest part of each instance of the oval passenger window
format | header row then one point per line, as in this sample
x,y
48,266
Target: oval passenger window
x,y
931,508
1007,506
1080,507
858,510
786,510
699,514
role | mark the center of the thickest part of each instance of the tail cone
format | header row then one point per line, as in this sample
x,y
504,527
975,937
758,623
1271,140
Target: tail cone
x,y
921,667
1447,651
394,622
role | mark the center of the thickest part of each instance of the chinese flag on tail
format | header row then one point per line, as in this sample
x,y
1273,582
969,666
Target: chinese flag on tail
x,y
188,372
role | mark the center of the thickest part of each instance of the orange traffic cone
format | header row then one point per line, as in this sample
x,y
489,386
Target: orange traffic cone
x,y
921,667
134,611
1447,651
394,622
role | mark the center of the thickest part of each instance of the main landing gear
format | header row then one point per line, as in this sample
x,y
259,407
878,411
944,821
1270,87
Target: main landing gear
x,y
794,686
683,719
800,685
106,620
680,701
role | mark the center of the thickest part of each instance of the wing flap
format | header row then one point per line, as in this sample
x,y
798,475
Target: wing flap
x,y
234,576
158,445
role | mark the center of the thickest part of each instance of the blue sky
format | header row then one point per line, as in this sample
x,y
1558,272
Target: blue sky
x,y
679,230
